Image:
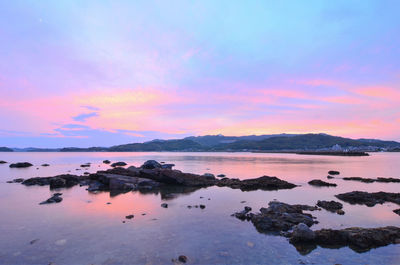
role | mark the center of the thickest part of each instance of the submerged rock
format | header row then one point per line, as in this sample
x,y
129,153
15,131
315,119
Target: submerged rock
x,y
18,180
331,206
86,165
45,165
118,164
333,172
278,217
21,165
56,198
3,162
369,199
164,205
321,183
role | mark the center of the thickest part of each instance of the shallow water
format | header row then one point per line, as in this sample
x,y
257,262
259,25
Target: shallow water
x,y
84,229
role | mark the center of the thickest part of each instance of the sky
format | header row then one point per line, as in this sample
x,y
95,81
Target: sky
x,y
101,73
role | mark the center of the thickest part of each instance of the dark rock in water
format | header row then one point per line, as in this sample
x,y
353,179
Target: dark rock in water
x,y
369,180
340,212
21,165
53,199
369,199
331,206
129,216
333,172
86,165
118,164
278,217
330,177
321,183
106,162
96,186
182,258
302,233
175,177
221,176
3,162
202,206
45,165
151,164
164,205
262,183
18,180
397,211
358,239
57,183
33,241
209,176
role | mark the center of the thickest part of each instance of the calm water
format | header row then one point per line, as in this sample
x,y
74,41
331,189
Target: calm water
x,y
84,229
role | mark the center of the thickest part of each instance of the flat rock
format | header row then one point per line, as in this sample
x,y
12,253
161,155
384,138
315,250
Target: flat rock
x,y
262,183
118,164
370,180
3,162
333,172
20,165
56,198
331,206
357,238
106,162
321,183
369,199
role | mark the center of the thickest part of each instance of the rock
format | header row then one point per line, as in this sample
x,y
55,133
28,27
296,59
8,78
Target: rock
x,y
21,165
221,176
369,180
118,164
262,183
106,162
151,164
182,258
397,211
333,172
278,217
18,180
57,183
340,212
202,206
86,165
167,166
3,162
53,199
45,165
331,206
320,183
175,177
302,233
330,177
209,176
164,205
96,186
369,199
33,241
129,216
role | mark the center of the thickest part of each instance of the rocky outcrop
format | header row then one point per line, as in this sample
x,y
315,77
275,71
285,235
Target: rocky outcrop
x,y
321,183
152,164
397,211
278,217
331,206
369,199
333,172
59,181
369,180
358,239
118,164
21,165
262,183
56,198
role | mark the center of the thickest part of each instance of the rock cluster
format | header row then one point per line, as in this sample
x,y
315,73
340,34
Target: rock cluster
x,y
262,183
331,206
278,217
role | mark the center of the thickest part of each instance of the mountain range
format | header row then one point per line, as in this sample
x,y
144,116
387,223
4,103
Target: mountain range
x,y
274,142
